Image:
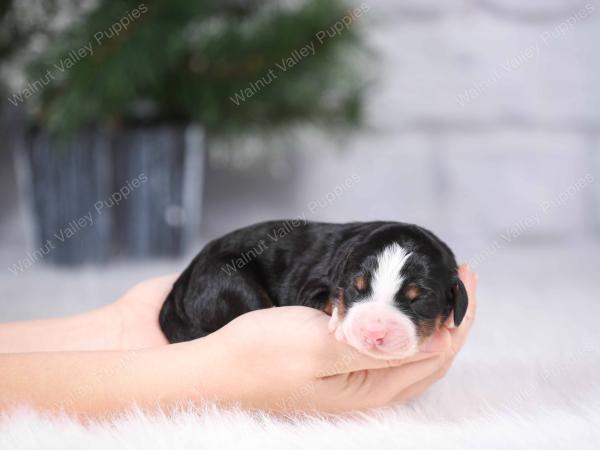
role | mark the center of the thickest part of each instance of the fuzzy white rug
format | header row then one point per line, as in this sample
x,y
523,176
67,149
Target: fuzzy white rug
x,y
528,378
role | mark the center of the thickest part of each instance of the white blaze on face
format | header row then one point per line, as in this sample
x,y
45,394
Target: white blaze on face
x,y
387,279
375,326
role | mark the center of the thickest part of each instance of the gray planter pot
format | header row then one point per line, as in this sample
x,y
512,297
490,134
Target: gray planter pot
x,y
100,195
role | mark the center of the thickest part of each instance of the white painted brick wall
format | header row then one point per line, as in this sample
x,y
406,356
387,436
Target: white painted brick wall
x,y
471,170
505,179
394,173
517,71
522,140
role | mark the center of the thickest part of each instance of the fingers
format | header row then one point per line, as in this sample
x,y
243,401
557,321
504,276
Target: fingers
x,y
469,278
458,336
398,383
347,359
382,385
420,386
412,378
343,358
436,345
351,360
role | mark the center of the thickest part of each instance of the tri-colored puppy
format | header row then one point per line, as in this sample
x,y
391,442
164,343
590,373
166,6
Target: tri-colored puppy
x,y
386,285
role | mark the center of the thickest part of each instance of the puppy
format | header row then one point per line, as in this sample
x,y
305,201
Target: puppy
x,y
386,285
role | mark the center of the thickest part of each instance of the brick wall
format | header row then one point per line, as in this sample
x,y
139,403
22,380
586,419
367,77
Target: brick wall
x,y
484,121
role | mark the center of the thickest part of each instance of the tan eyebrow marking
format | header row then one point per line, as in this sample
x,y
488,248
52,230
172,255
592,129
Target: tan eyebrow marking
x,y
360,282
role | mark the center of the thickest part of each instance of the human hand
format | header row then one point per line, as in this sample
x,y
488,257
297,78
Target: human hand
x,y
456,335
136,313
284,359
129,323
279,359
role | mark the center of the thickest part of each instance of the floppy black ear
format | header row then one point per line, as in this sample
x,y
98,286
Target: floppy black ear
x,y
460,301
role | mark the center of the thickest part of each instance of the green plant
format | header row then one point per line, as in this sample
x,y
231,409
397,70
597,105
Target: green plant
x,y
182,61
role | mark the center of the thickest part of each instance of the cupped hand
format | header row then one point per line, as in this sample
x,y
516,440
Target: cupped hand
x,y
279,359
136,314
284,359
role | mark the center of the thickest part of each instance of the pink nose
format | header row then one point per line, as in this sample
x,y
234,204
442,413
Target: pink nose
x,y
373,336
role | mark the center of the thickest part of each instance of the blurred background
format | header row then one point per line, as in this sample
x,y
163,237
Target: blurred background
x,y
132,133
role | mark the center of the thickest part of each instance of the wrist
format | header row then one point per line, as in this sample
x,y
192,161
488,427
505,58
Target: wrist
x,y
93,330
197,371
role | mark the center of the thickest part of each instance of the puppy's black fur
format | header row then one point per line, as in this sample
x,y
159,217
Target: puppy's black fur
x,y
313,264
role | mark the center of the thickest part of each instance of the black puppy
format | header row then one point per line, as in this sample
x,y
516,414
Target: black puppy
x,y
386,285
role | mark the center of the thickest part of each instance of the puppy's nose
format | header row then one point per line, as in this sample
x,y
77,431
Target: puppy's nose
x,y
373,336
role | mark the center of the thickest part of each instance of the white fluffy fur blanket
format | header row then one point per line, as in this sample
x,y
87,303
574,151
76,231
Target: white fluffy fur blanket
x,y
446,419
528,378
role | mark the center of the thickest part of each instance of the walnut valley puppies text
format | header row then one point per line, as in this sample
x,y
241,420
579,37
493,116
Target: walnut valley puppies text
x,y
298,55
73,227
288,226
77,54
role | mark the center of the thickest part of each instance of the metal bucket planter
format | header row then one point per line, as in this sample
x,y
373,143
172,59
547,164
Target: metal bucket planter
x,y
100,195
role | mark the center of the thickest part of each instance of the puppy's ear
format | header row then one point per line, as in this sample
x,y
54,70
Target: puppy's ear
x,y
460,301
